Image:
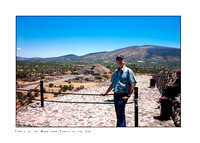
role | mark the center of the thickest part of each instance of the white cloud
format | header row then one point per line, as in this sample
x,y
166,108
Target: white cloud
x,y
19,48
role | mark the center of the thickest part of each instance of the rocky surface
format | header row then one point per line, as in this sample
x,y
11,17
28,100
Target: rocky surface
x,y
169,77
176,111
96,111
165,77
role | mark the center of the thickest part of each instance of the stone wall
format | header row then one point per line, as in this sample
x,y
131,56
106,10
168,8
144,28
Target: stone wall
x,y
169,77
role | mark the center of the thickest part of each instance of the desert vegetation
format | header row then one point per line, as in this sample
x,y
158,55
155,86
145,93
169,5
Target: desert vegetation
x,y
33,70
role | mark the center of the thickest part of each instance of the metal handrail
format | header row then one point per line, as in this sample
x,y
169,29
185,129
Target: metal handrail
x,y
135,100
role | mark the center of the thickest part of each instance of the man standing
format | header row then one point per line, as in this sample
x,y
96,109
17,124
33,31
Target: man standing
x,y
123,82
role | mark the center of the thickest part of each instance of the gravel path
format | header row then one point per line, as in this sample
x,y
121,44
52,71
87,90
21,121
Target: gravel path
x,y
98,111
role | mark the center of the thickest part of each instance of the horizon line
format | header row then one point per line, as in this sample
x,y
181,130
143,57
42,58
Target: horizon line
x,y
90,53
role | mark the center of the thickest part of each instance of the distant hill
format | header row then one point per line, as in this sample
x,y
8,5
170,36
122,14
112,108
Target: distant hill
x,y
150,53
24,58
68,56
139,53
90,54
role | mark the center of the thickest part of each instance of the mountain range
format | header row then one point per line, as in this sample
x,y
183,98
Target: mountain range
x,y
133,53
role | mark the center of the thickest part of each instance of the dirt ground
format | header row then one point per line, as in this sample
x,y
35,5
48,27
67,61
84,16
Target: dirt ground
x,y
57,88
37,81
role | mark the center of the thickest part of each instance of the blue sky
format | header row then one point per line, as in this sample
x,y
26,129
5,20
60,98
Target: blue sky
x,y
47,36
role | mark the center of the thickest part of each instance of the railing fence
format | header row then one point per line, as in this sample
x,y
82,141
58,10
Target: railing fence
x,y
42,99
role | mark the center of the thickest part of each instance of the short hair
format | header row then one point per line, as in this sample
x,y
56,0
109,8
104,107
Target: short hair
x,y
178,72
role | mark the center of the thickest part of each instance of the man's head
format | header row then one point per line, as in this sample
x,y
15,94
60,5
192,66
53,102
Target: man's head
x,y
178,74
120,61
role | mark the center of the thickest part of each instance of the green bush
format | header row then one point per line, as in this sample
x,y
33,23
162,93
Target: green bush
x,y
21,74
42,77
55,94
21,102
64,88
82,87
36,90
30,97
71,87
20,95
36,94
51,85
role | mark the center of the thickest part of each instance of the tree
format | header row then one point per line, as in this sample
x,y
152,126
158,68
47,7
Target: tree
x,y
22,74
51,85
65,87
36,94
42,77
71,87
30,97
55,94
19,95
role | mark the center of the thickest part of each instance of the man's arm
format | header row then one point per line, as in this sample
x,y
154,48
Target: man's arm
x,y
132,82
173,86
108,90
130,92
131,89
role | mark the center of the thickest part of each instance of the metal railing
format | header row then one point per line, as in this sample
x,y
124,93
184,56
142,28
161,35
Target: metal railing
x,y
28,98
135,101
136,106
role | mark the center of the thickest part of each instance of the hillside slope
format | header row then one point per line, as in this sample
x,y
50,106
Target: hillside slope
x,y
139,53
134,53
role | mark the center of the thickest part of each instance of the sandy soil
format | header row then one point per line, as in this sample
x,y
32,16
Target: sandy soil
x,y
25,82
57,88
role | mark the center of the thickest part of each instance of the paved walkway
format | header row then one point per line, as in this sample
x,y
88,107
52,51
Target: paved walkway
x,y
64,114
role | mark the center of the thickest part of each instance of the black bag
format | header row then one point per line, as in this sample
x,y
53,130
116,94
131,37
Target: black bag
x,y
165,108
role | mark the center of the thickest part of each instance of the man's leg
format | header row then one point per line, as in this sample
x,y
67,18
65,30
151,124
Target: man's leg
x,y
120,111
164,92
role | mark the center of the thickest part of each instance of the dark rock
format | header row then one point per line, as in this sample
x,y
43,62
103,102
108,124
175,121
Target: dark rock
x,y
165,78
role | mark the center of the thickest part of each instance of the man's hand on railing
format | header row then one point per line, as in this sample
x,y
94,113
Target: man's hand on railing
x,y
103,94
108,90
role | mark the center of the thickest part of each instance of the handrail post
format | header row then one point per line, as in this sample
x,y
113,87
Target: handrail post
x,y
41,94
136,106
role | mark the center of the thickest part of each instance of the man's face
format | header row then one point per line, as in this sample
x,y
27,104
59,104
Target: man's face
x,y
120,62
178,75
